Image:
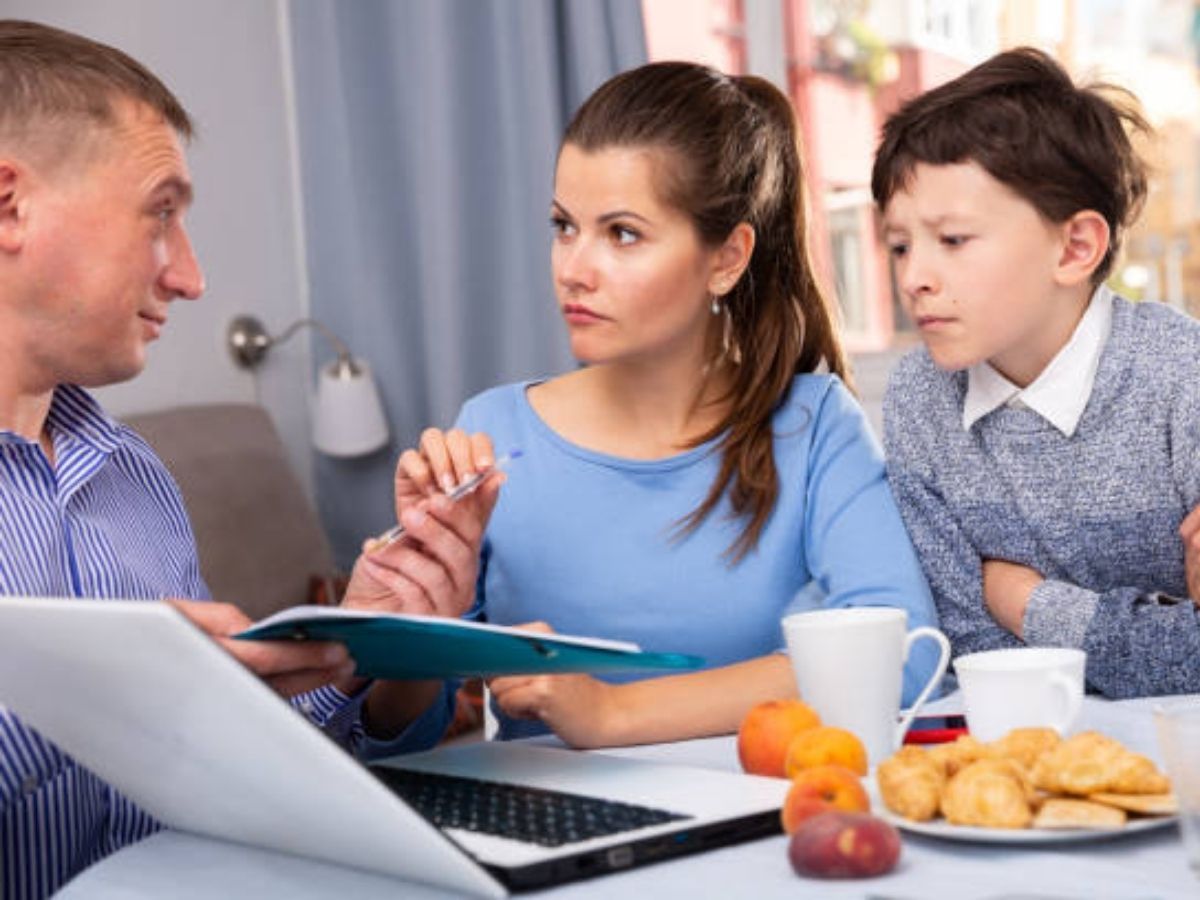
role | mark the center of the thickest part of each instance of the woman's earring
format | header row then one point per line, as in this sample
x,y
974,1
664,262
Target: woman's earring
x,y
715,306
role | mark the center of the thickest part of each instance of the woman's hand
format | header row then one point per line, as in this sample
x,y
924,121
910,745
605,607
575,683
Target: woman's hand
x,y
583,711
443,461
431,569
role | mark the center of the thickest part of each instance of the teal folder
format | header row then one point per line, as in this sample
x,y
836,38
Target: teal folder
x,y
388,645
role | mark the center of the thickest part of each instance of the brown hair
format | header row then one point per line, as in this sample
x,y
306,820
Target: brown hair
x,y
733,156
1060,147
51,77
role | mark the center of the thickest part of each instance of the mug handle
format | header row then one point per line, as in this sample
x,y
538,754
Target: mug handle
x,y
1072,700
943,661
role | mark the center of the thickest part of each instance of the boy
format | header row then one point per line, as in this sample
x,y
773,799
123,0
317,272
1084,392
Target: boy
x,y
1044,445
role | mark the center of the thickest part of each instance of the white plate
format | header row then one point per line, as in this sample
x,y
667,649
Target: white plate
x,y
940,828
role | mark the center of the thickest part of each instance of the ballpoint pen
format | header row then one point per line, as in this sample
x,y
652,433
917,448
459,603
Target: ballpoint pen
x,y
467,487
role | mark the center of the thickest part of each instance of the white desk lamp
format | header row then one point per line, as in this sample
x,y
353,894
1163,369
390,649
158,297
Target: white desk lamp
x,y
347,414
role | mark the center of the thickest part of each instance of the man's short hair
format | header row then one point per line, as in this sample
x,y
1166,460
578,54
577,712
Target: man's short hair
x,y
50,78
1061,148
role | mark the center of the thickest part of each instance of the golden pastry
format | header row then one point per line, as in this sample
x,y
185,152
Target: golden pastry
x,y
1090,763
1064,812
1025,745
910,783
957,754
991,793
1143,804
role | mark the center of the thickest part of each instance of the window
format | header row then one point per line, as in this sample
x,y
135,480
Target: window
x,y
849,256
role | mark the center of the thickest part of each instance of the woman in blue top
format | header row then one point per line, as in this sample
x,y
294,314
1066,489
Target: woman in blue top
x,y
689,481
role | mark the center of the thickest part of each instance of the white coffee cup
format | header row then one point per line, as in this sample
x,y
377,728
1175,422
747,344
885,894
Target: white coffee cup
x,y
849,667
1021,687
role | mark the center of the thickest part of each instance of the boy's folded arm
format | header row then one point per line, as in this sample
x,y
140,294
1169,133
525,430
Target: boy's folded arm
x,y
952,565
1058,614
1138,643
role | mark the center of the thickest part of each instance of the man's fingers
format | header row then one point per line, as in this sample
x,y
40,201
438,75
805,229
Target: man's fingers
x,y
273,658
214,619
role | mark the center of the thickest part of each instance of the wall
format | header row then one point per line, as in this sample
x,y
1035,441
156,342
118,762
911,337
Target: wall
x,y
224,60
674,30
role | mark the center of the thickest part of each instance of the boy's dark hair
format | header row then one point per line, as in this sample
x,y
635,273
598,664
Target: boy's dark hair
x,y
1060,147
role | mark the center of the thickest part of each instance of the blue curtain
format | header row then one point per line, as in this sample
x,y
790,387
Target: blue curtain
x,y
428,131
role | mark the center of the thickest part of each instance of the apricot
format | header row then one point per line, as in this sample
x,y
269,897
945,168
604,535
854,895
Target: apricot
x,y
844,845
823,745
797,809
767,730
822,789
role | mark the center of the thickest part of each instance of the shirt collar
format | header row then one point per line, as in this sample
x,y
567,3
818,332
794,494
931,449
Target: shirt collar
x,y
1061,392
75,412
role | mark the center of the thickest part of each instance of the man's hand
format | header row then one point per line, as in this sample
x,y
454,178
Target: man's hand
x,y
578,708
288,667
1007,587
1189,531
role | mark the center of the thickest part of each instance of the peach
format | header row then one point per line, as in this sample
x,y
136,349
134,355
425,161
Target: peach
x,y
822,745
844,845
767,730
821,789
798,807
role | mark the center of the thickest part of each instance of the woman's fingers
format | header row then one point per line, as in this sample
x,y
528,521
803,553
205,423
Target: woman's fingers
x,y
414,478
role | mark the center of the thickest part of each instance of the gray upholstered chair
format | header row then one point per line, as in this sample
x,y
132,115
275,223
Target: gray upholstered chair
x,y
260,540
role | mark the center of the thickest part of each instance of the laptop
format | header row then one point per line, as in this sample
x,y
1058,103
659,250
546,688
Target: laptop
x,y
136,693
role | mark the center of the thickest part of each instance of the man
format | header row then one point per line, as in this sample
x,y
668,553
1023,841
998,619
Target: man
x,y
93,250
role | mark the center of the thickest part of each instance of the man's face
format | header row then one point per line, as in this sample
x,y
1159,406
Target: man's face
x,y
105,252
975,264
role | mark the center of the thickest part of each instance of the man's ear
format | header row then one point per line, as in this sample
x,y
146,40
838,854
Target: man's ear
x,y
731,259
1085,239
12,207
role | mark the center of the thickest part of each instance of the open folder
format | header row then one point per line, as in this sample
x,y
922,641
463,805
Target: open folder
x,y
396,646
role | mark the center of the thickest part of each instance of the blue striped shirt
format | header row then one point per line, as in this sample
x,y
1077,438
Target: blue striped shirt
x,y
106,521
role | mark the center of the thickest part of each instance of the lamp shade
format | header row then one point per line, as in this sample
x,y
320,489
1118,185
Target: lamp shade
x,y
348,418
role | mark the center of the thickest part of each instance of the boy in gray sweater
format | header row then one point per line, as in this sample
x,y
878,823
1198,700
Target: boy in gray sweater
x,y
1044,444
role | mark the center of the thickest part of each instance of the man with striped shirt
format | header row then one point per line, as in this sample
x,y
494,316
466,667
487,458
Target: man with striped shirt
x,y
93,249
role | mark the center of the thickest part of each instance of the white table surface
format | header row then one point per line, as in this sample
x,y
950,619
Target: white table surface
x,y
1134,867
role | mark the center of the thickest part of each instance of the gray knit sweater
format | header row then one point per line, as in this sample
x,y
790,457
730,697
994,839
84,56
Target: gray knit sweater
x,y
1097,514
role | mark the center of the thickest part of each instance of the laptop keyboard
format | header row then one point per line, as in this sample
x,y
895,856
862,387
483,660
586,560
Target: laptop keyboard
x,y
533,815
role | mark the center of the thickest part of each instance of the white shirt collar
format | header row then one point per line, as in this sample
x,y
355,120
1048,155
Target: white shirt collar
x,y
1060,394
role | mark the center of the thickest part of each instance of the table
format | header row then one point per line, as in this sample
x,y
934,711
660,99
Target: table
x,y
1136,867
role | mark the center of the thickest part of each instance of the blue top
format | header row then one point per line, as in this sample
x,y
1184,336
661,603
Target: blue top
x,y
587,541
1096,513
106,521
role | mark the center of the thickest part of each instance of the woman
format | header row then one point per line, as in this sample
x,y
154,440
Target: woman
x,y
684,486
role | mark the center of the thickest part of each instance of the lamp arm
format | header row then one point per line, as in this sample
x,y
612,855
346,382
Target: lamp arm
x,y
249,342
339,346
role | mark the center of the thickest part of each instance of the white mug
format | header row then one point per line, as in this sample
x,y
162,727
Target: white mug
x,y
1021,687
849,667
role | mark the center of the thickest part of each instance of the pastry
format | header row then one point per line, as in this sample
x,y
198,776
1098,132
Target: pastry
x,y
910,783
1091,763
991,793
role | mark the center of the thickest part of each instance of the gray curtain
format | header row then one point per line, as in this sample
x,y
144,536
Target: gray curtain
x,y
428,132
